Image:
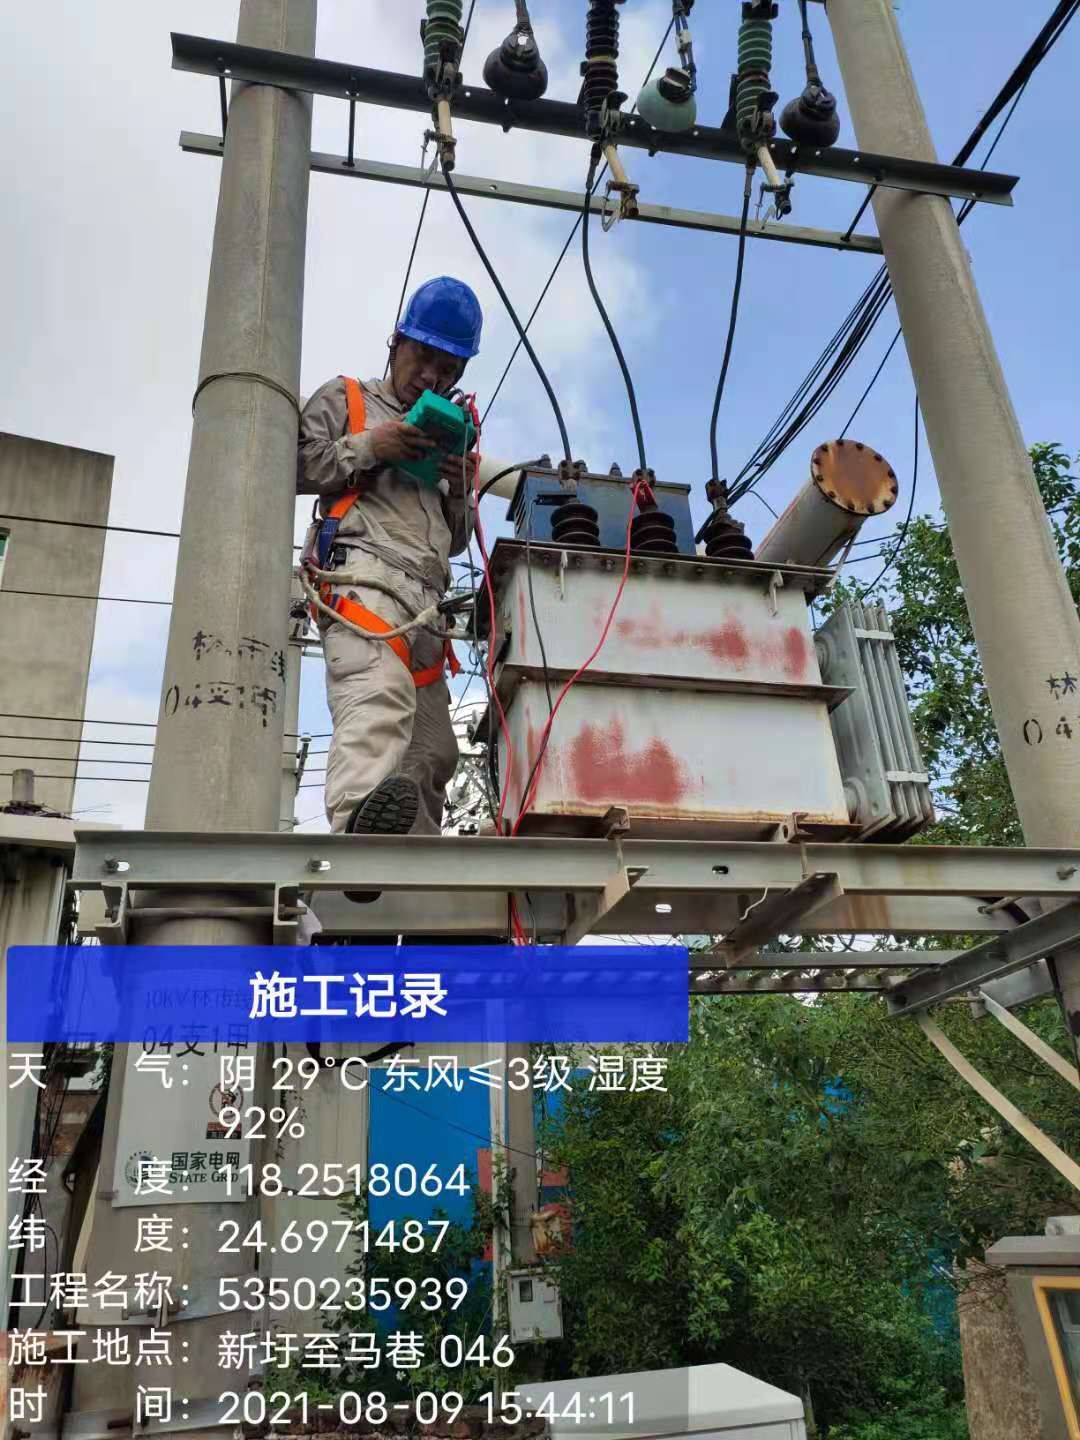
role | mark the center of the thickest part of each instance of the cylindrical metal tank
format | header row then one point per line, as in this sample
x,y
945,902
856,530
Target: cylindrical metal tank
x,y
849,482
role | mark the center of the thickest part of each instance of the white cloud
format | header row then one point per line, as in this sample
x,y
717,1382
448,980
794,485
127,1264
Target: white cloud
x,y
109,231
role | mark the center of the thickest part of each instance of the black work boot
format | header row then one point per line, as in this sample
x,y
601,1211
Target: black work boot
x,y
390,809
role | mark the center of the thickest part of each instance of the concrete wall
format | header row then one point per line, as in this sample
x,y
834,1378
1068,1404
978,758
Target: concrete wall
x,y
45,643
998,1389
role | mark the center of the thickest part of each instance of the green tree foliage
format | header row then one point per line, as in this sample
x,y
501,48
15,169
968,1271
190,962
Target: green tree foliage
x,y
937,653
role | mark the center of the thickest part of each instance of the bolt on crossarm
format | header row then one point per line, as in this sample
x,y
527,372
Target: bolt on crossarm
x,y
1025,622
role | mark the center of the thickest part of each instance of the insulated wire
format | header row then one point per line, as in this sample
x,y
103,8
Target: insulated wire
x,y
570,238
456,198
856,329
965,211
730,343
907,519
639,437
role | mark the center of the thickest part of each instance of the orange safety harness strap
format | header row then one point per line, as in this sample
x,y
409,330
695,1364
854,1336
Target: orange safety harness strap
x,y
352,610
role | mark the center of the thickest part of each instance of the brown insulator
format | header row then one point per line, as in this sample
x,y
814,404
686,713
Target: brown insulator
x,y
725,539
653,533
573,523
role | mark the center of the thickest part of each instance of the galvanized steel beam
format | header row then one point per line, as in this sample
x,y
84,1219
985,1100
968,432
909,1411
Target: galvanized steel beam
x,y
163,859
863,982
802,961
483,188
1007,952
201,56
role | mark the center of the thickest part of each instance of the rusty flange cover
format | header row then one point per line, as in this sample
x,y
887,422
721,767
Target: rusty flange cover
x,y
854,476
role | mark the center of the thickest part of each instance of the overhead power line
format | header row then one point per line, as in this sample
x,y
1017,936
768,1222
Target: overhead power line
x,y
838,356
92,525
138,724
96,599
907,518
569,241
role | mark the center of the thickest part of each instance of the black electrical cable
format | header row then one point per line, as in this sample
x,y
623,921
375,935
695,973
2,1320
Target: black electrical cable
x,y
1033,57
409,268
522,465
730,342
92,525
456,198
104,599
873,382
856,329
639,437
965,211
570,238
907,519
808,41
110,779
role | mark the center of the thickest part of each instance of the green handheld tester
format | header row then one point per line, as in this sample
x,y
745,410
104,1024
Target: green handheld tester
x,y
448,425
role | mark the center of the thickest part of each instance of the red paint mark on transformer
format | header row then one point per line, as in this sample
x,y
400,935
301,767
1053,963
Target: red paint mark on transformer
x,y
604,769
728,643
795,655
650,633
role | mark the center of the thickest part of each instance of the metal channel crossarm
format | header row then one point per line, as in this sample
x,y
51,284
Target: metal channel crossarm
x,y
1009,951
248,63
480,187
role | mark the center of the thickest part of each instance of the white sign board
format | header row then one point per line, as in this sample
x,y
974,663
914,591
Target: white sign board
x,y
178,1127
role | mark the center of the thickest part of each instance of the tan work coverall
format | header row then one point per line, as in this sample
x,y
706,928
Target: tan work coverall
x,y
400,534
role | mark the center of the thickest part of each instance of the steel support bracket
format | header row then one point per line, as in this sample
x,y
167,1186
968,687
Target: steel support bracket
x,y
770,917
588,910
1011,950
115,930
1035,1043
1051,1153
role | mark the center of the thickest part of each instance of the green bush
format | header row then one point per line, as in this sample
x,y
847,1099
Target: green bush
x,y
933,1419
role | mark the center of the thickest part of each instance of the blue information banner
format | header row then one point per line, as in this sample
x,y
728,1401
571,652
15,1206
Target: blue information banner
x,y
232,994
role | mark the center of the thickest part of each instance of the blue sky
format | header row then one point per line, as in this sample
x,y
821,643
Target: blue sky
x,y
109,228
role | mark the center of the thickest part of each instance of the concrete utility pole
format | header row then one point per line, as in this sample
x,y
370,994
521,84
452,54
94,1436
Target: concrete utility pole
x,y
1025,623
218,757
294,656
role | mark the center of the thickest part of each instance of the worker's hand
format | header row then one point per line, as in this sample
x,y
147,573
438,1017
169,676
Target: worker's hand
x,y
395,440
459,481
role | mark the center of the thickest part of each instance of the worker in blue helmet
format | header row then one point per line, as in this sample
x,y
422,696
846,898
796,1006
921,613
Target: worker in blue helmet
x,y
393,750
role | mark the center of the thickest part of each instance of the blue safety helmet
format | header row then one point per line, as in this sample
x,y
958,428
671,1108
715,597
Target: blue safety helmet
x,y
446,314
